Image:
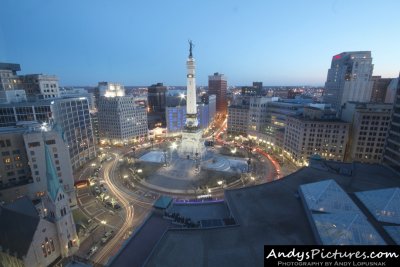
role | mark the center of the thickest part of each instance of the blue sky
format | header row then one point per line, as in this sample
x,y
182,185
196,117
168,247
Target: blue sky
x,y
282,42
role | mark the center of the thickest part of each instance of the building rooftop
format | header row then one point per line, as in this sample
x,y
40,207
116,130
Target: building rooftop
x,y
269,214
18,223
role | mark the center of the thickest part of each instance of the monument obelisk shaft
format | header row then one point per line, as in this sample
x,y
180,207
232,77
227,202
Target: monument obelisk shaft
x,y
192,145
191,108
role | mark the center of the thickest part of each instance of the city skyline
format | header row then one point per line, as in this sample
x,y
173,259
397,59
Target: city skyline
x,y
283,43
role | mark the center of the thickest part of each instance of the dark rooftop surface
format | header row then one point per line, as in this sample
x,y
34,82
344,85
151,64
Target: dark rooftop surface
x,y
17,228
139,247
270,214
197,212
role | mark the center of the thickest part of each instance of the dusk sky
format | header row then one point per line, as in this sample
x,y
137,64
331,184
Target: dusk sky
x,y
144,42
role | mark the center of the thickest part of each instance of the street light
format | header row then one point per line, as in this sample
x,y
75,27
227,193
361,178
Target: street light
x,y
174,146
104,225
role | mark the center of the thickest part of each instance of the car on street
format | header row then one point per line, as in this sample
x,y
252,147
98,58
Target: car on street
x,y
97,190
91,251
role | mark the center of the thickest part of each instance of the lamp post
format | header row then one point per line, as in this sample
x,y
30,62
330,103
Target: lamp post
x,y
165,157
133,153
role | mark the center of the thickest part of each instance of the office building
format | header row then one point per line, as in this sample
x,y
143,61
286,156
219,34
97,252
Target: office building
x,y
40,234
257,113
212,107
273,117
71,114
217,85
108,89
36,86
23,161
368,131
40,86
379,89
156,102
9,82
392,148
175,117
391,91
238,116
71,92
156,97
349,78
305,137
121,120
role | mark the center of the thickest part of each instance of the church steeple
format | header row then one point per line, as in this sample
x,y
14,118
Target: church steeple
x,y
53,183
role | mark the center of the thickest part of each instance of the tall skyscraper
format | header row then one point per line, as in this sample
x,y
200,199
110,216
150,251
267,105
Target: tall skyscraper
x,y
349,78
392,150
192,144
217,85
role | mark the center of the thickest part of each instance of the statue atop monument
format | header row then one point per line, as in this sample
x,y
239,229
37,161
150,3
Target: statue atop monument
x,y
190,48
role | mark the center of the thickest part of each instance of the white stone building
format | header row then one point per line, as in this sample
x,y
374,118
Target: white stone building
x,y
121,120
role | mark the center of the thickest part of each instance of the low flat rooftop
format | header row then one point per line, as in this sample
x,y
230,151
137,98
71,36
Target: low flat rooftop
x,y
268,214
138,248
201,211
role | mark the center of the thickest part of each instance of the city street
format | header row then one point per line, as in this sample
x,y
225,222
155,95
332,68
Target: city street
x,y
136,197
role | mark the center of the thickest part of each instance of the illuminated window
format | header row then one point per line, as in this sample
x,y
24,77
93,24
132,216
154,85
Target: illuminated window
x,y
7,160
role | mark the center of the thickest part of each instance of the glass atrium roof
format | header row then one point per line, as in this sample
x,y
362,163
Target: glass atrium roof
x,y
348,229
384,204
337,219
394,232
327,196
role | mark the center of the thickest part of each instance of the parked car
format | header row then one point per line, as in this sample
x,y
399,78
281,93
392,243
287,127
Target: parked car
x,y
97,190
92,251
107,236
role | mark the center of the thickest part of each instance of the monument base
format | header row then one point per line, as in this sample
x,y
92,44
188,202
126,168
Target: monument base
x,y
192,143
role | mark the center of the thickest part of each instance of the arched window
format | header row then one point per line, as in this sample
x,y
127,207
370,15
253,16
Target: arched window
x,y
44,250
46,240
52,244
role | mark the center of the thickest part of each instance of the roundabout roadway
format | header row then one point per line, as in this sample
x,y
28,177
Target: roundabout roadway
x,y
137,204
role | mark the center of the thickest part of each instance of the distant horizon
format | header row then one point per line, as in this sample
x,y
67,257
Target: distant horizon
x,y
283,43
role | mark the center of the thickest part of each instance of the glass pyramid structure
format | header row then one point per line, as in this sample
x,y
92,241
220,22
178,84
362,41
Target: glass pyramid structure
x,y
394,232
349,229
327,196
384,204
336,218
